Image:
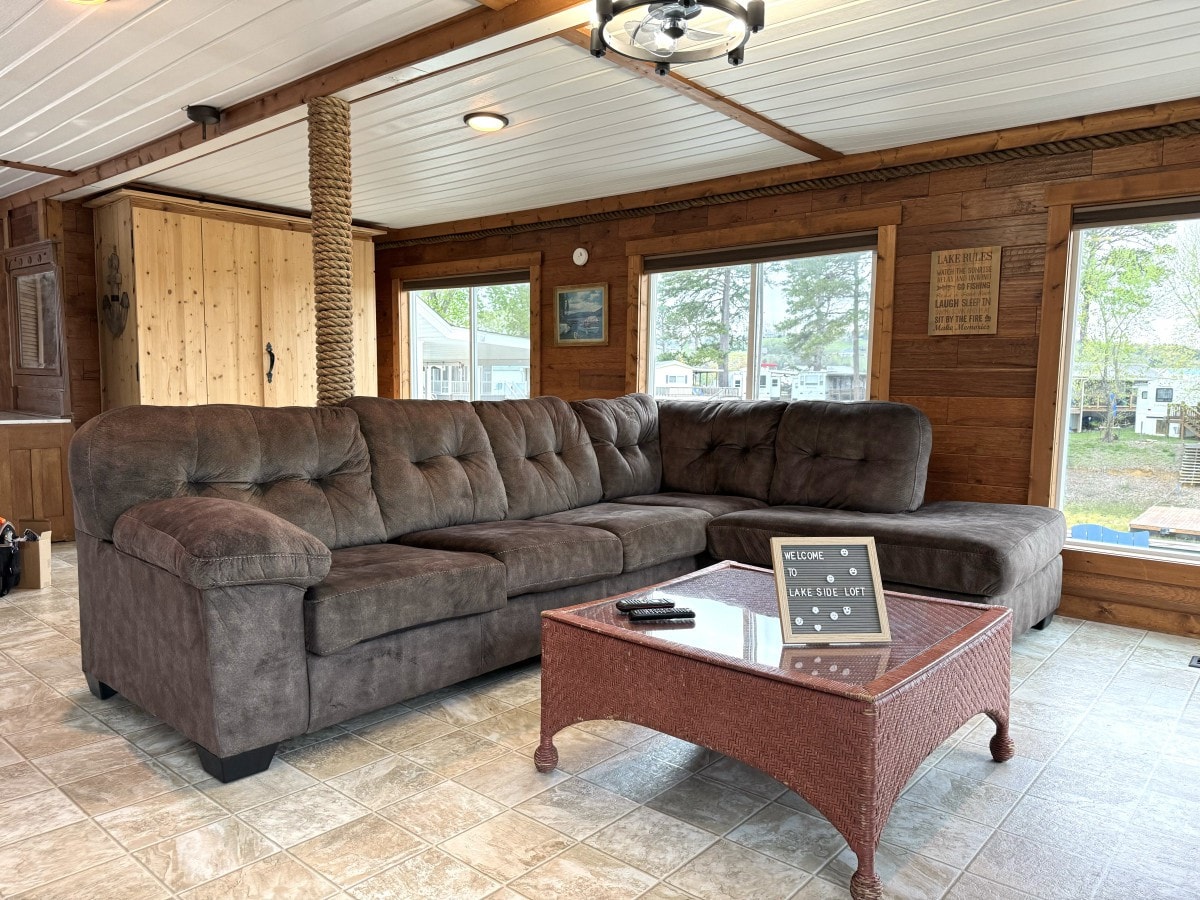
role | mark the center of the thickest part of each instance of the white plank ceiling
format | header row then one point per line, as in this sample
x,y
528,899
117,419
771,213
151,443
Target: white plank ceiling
x,y
81,84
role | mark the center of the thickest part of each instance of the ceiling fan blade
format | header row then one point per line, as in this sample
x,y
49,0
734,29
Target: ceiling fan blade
x,y
696,34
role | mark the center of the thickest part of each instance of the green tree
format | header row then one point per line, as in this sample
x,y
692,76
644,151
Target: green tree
x,y
503,309
452,304
703,316
1183,284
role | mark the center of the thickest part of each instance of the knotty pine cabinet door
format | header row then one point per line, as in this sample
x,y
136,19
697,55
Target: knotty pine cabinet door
x,y
233,334
288,316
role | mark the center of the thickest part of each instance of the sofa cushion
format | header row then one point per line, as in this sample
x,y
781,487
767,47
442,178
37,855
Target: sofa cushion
x,y
381,588
537,556
867,456
211,543
544,455
307,465
624,434
972,548
431,463
726,447
649,535
713,504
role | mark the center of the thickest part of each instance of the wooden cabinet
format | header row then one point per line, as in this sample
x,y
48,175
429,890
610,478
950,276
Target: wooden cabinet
x,y
209,288
33,473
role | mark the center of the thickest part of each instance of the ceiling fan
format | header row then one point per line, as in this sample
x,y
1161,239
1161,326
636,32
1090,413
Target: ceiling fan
x,y
676,31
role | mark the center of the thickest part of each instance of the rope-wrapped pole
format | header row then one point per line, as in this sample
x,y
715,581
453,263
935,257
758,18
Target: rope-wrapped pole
x,y
332,240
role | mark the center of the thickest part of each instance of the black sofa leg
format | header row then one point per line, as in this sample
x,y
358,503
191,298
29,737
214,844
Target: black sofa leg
x,y
99,689
230,768
1041,626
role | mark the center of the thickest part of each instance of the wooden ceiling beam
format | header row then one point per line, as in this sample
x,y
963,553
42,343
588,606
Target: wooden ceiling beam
x,y
30,167
697,93
453,34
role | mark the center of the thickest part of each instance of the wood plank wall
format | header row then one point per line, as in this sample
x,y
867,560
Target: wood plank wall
x,y
79,307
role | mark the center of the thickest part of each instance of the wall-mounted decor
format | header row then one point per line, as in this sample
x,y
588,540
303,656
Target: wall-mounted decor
x,y
581,315
829,590
114,305
964,290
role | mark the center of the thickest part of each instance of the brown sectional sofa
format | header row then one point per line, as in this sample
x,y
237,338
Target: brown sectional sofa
x,y
249,575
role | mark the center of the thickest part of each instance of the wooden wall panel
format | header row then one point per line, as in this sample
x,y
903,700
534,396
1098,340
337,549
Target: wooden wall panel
x,y
119,385
33,475
366,351
233,343
289,316
78,266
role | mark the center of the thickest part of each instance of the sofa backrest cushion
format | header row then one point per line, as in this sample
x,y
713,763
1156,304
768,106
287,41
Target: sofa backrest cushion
x,y
869,456
308,466
544,455
726,447
431,463
624,434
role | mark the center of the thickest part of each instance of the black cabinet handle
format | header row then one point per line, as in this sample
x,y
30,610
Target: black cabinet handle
x,y
271,367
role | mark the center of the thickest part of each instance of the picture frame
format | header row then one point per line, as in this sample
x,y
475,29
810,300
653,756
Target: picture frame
x,y
829,590
581,315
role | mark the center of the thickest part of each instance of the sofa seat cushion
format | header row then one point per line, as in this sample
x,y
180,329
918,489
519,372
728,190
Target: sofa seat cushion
x,y
971,548
537,556
713,504
649,535
381,588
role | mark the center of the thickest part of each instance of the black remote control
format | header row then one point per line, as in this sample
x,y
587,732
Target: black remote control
x,y
625,606
660,615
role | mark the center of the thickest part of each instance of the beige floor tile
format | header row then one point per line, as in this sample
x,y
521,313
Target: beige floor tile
x,y
975,762
905,875
972,887
305,814
728,871
510,779
315,737
374,717
431,875
158,818
1116,788
159,739
625,733
746,778
576,807
579,750
51,739
91,759
53,855
111,790
507,846
122,879
186,764
197,856
683,754
1124,884
664,891
934,833
517,690
405,731
1168,859
1072,825
583,873
1046,872
382,783
963,796
513,728
707,804
442,811
455,753
278,877
32,814
357,850
635,775
125,718
56,711
434,696
1031,743
651,841
334,757
8,756
465,709
20,779
278,781
25,691
800,840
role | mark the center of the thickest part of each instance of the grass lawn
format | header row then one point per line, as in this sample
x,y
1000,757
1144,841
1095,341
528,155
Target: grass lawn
x,y
1131,451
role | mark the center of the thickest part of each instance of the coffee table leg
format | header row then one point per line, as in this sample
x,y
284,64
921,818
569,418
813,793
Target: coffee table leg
x,y
1001,745
864,883
546,757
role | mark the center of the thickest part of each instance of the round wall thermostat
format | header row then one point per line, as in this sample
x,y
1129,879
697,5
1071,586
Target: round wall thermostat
x,y
580,256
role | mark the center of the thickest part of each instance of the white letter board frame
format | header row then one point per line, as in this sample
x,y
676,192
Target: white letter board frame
x,y
829,555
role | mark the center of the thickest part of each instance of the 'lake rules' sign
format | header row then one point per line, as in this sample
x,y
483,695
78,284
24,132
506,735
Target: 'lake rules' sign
x,y
829,591
964,291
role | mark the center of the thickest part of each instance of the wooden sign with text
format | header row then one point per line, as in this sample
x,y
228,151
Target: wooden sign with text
x,y
829,590
964,290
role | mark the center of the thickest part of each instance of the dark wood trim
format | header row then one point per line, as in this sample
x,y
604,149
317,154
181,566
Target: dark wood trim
x,y
30,167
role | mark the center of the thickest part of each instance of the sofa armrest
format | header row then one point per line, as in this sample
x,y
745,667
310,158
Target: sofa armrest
x,y
209,543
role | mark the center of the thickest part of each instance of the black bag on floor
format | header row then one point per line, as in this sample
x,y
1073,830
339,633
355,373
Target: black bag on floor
x,y
10,567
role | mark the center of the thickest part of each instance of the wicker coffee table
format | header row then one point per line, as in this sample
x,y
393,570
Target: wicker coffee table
x,y
844,727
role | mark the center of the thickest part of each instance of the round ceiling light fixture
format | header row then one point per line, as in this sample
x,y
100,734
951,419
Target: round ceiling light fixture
x,y
485,121
676,31
86,2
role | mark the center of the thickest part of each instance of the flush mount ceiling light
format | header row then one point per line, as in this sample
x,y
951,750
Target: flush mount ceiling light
x,y
485,121
86,2
676,31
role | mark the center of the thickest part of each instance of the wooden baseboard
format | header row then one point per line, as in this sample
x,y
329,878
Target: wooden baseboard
x,y
1114,613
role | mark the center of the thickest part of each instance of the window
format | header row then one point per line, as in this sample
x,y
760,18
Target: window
x,y
470,338
1129,460
799,321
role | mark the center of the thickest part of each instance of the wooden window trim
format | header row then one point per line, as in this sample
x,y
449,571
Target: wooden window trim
x,y
1091,577
401,347
882,219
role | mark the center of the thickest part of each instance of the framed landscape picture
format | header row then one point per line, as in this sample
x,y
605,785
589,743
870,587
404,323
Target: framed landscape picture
x,y
581,315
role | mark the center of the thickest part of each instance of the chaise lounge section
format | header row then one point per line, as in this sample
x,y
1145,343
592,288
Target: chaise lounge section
x,y
249,575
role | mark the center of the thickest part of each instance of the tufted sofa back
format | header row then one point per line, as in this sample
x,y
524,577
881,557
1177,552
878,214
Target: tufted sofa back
x,y
719,448
431,463
308,466
544,455
624,434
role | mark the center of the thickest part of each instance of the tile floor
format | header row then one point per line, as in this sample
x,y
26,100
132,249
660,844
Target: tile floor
x,y
438,797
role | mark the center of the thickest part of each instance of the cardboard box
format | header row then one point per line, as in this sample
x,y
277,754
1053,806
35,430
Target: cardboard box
x,y
35,562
